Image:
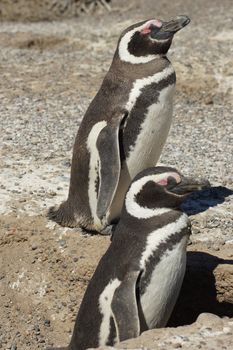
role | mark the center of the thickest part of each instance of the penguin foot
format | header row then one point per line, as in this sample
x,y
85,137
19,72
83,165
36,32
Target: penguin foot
x,y
108,230
62,215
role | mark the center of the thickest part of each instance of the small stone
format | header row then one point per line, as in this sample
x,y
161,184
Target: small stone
x,y
177,345
37,329
73,298
202,342
52,193
195,230
62,243
22,200
47,323
66,163
221,242
41,341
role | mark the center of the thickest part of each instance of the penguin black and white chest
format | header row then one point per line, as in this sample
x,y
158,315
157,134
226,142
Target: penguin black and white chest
x,y
125,126
137,281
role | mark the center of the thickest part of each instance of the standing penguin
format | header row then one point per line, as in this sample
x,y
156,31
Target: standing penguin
x,y
137,281
124,128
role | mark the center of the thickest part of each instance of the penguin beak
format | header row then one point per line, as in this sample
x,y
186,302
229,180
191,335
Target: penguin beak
x,y
175,24
168,29
189,185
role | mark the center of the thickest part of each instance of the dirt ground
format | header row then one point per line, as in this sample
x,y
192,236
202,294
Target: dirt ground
x,y
49,73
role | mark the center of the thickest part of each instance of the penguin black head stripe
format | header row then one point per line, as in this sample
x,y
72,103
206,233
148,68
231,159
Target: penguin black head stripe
x,y
125,127
137,281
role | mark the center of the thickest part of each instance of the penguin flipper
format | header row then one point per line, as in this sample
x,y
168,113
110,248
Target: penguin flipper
x,y
110,162
125,309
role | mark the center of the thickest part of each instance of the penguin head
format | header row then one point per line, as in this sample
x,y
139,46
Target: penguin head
x,y
141,42
161,187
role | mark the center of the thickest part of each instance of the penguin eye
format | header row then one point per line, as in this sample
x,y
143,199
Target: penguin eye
x,y
171,182
154,31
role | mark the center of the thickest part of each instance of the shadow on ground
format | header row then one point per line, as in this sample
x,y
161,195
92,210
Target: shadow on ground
x,y
202,200
199,292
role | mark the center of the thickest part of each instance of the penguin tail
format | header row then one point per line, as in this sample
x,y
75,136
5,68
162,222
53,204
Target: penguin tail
x,y
63,215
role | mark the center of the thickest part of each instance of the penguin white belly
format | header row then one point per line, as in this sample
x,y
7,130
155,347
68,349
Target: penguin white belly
x,y
148,147
164,286
153,133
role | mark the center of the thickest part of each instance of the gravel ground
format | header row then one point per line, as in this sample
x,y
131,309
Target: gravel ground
x,y
49,73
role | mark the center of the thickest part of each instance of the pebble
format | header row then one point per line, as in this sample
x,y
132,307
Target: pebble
x,y
216,248
195,230
22,200
37,329
41,340
66,163
177,345
52,193
62,243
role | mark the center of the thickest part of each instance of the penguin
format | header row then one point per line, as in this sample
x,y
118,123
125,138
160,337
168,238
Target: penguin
x,y
138,279
125,127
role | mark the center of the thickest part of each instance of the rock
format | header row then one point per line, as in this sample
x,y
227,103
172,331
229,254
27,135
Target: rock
x,y
47,323
62,243
37,329
192,337
207,319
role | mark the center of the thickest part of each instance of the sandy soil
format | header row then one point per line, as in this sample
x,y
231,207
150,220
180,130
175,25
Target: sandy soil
x,y
49,73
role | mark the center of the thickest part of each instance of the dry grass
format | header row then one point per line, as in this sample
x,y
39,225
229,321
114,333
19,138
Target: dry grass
x,y
37,10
